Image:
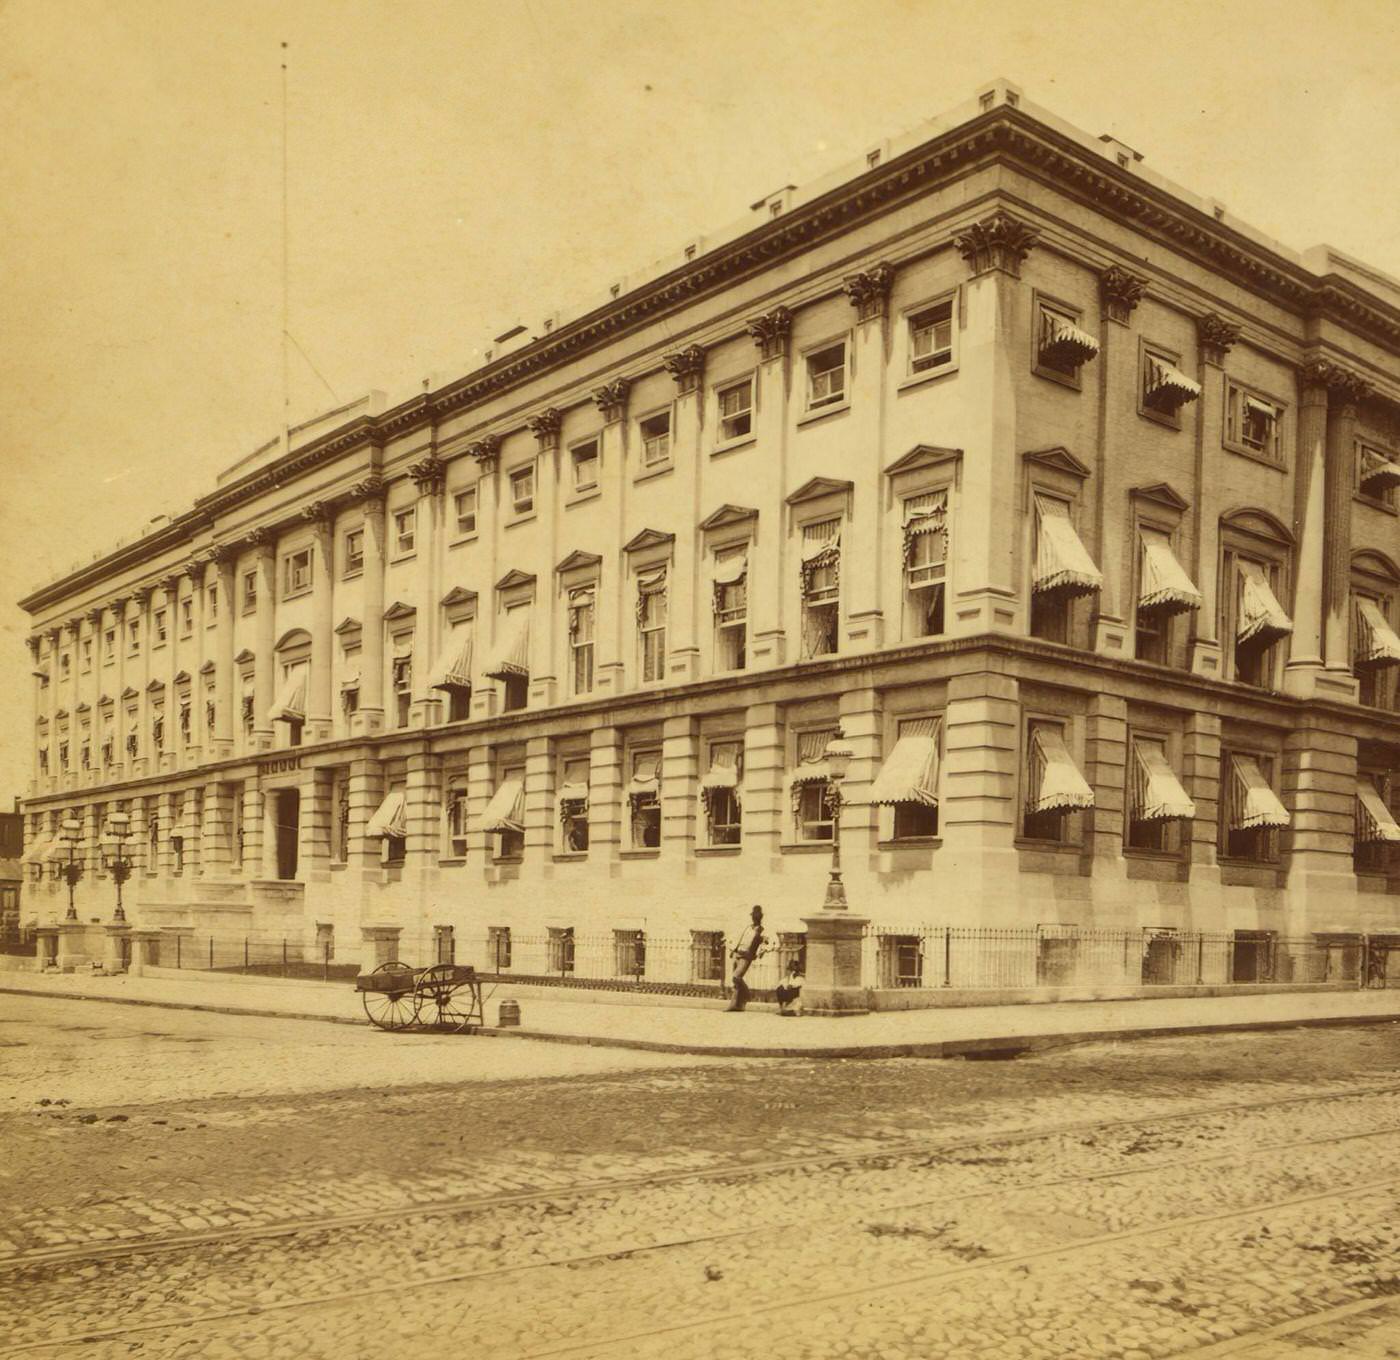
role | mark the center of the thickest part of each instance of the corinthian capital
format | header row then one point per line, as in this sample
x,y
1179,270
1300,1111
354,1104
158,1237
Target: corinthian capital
x,y
1121,292
771,331
428,475
485,451
869,291
997,242
545,427
611,399
1216,335
687,367
319,514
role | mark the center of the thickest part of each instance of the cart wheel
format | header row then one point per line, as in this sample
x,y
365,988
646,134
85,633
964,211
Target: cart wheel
x,y
437,1004
395,1005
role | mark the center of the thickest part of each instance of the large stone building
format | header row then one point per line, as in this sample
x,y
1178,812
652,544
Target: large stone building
x,y
1068,498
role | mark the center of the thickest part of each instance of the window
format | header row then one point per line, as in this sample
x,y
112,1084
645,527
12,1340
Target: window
x,y
186,618
498,948
1252,620
1253,423
444,944
1251,814
133,637
1377,813
464,508
185,723
161,630
1054,788
1375,646
340,828
731,610
1157,803
821,581
109,646
63,755
561,950
402,680
826,376
250,591
707,956
405,530
296,573
211,603
354,552
651,624
65,665
719,791
656,439
522,490
908,779
87,654
573,806
582,614
1163,591
584,460
1164,389
133,742
158,730
1061,347
736,410
931,337
925,561
457,821
1377,475
1062,569
810,786
505,813
644,800
246,707
900,961
630,953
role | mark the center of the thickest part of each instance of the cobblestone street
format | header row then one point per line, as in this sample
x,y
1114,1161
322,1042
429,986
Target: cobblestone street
x,y
179,1184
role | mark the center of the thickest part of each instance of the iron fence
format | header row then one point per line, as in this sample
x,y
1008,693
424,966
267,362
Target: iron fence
x,y
257,955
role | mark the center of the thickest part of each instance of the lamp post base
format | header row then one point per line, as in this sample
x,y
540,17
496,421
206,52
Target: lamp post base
x,y
832,984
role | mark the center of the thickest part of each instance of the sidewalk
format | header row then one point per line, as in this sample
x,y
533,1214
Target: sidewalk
x,y
707,1029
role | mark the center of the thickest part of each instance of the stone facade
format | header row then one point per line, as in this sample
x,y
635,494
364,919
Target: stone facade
x,y
829,471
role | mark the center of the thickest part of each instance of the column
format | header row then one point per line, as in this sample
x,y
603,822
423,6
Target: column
x,y
486,452
680,786
1309,515
765,801
978,816
264,543
540,815
544,631
428,476
215,851
141,679
170,757
1348,391
687,368
767,476
226,691
986,579
120,763
74,701
369,717
862,551
55,637
318,686
194,663
366,794
607,797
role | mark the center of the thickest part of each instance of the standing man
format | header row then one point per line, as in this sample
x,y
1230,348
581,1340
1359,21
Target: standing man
x,y
748,948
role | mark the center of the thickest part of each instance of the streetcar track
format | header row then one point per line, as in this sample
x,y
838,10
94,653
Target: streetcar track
x,y
620,1251
807,1301
292,1227
1234,1344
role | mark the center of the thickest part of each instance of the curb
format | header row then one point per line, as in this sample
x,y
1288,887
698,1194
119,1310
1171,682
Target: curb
x,y
1008,1046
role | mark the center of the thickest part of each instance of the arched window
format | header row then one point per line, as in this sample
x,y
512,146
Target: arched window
x,y
1375,627
1256,560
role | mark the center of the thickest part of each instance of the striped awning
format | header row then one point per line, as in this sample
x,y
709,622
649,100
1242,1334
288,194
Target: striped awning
x,y
1165,584
390,818
812,767
1157,792
1261,615
506,810
1252,803
1169,385
1062,341
1062,562
573,793
453,668
646,777
730,569
1378,473
37,851
910,772
1374,821
512,653
1055,782
1376,642
291,699
722,774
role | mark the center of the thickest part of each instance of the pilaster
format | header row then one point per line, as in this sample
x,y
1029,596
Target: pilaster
x,y
1309,520
319,711
194,663
765,803
226,693
1106,756
478,795
1318,786
314,825
540,810
423,805
265,666
861,721
687,368
680,786
1201,774
215,848
367,787
369,717
487,452
767,474
429,477
1348,391
606,797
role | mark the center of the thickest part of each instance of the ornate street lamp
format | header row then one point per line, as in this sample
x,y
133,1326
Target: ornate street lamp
x,y
71,830
839,753
114,853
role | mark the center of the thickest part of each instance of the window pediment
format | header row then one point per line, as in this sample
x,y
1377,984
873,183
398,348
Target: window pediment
x,y
1161,493
458,595
1259,523
207,668
818,487
156,687
922,456
728,515
83,708
515,578
182,677
648,538
577,561
1375,563
345,626
1057,459
399,610
131,693
243,658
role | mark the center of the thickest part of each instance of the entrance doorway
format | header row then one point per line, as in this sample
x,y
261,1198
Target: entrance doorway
x,y
286,811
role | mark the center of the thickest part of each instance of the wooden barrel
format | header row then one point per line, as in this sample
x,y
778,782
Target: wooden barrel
x,y
509,1015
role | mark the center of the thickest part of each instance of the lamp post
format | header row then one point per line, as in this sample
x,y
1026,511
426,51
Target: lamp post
x,y
72,871
838,759
118,862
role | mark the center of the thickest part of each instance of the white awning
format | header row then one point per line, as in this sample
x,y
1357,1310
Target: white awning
x,y
646,778
1165,584
910,771
573,793
1062,340
512,652
1157,792
390,818
291,699
1261,615
1378,473
728,570
1374,821
57,849
1061,561
1055,782
815,546
37,851
506,810
351,679
722,774
1252,802
1170,384
453,668
1376,644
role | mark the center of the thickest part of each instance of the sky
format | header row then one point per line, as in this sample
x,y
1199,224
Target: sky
x,y
455,167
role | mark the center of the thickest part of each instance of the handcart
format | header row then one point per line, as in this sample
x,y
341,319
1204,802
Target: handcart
x,y
445,997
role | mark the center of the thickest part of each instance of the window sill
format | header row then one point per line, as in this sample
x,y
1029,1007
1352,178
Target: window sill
x,y
1385,507
805,848
1075,383
337,867
926,376
296,594
811,417
569,856
451,861
1160,417
1049,847
733,445
350,574
1255,456
396,558
640,854
525,518
582,495
463,538
911,843
498,861
717,851
655,470
1154,856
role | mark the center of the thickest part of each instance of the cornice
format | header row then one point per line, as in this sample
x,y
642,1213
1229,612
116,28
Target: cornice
x,y
1003,133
